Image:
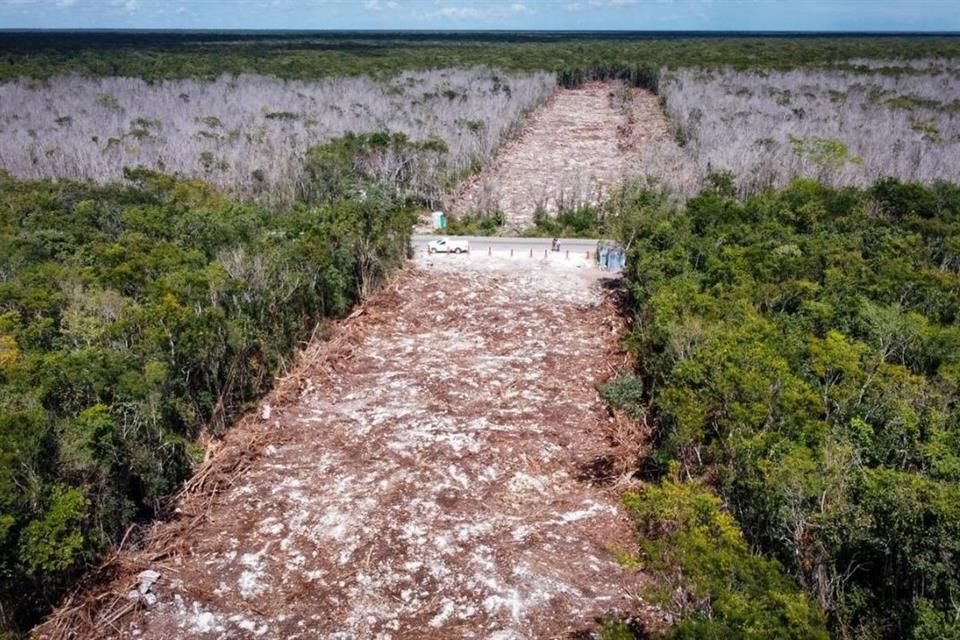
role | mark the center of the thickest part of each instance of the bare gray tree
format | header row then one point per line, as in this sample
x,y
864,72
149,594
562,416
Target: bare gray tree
x,y
248,134
843,127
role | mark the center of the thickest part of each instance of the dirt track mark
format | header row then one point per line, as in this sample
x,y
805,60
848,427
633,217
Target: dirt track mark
x,y
573,150
424,485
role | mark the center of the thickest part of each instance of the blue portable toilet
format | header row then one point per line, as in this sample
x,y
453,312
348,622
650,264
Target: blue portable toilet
x,y
610,255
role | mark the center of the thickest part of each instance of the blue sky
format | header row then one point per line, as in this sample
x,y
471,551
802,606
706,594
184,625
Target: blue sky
x,y
881,15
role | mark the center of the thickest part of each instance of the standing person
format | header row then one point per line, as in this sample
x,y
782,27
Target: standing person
x,y
556,244
617,258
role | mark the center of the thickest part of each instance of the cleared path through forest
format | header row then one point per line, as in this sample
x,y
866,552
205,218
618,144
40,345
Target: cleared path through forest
x,y
427,479
576,148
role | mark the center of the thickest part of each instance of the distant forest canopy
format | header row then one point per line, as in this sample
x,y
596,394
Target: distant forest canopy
x,y
308,55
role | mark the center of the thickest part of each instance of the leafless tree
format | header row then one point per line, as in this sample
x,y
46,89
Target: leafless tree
x,y
248,134
844,127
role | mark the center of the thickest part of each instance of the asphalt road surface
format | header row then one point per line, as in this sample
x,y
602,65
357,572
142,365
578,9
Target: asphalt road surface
x,y
480,244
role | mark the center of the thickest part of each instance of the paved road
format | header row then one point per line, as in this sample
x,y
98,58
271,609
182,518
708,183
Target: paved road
x,y
582,251
483,243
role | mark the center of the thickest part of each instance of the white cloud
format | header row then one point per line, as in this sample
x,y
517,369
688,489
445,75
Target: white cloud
x,y
651,7
458,13
480,13
66,3
605,4
378,5
130,6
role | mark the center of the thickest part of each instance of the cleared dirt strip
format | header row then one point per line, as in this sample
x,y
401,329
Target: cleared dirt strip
x,y
428,480
574,150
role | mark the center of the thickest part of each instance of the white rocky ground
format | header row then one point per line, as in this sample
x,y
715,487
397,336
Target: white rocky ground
x,y
426,485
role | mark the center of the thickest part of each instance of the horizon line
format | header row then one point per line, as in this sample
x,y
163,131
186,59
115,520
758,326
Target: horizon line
x,y
388,31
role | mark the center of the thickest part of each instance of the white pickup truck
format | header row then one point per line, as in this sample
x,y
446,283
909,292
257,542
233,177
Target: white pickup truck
x,y
448,245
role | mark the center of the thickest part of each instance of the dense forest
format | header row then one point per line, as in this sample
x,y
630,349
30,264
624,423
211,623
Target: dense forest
x,y
311,55
799,354
136,316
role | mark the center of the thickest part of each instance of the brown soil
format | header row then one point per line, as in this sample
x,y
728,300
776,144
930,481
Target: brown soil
x,y
573,150
431,476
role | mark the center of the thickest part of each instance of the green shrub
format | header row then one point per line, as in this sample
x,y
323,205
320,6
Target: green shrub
x,y
349,166
613,628
479,224
625,392
281,115
582,222
108,101
721,588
